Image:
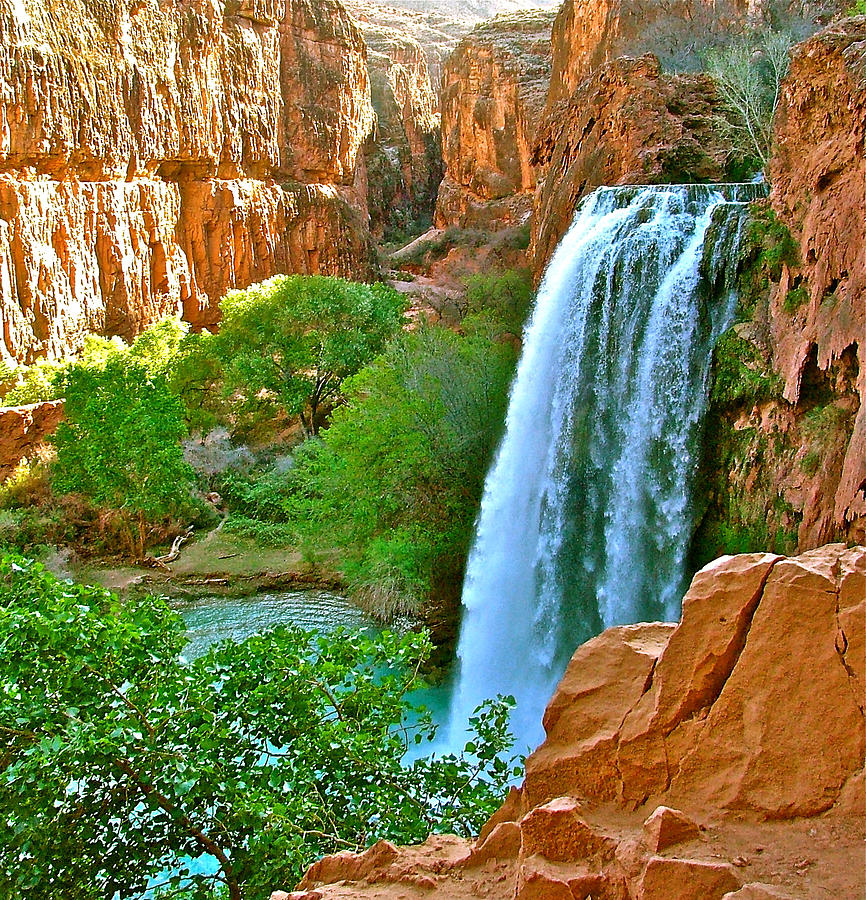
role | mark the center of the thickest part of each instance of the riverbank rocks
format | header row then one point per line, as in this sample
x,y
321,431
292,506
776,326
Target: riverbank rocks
x,y
712,759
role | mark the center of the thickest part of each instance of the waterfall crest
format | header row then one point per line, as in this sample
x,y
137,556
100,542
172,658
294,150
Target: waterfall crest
x,y
586,515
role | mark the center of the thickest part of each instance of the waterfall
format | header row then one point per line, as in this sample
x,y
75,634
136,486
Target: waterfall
x,y
586,515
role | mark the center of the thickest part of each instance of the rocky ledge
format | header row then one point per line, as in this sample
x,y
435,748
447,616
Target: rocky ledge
x,y
718,758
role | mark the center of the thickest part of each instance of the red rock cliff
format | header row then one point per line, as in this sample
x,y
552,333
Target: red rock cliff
x,y
628,123
404,164
153,156
818,174
493,90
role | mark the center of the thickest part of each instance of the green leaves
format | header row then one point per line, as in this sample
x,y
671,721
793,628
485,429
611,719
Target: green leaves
x,y
120,761
293,339
120,443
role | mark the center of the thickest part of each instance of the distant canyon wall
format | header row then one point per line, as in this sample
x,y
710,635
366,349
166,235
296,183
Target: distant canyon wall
x,y
152,157
494,88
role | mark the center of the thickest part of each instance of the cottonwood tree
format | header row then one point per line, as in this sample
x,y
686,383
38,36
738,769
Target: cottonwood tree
x,y
119,445
295,338
123,766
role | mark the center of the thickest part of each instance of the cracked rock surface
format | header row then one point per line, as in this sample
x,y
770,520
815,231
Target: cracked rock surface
x,y
722,756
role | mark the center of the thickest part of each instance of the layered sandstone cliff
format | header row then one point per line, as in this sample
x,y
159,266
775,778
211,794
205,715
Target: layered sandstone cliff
x,y
153,156
788,468
629,123
493,90
404,163
818,174
433,28
718,758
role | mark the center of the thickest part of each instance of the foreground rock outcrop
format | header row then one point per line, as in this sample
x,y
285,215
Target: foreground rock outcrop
x,y
718,758
494,88
153,156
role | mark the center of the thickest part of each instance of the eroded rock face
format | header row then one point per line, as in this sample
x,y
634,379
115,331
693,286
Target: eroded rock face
x,y
404,163
493,90
139,141
627,124
743,718
732,719
588,34
23,429
818,173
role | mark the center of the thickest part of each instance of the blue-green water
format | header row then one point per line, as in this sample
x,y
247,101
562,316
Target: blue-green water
x,y
215,619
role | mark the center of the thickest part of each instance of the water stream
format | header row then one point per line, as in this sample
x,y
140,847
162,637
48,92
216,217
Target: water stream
x,y
587,510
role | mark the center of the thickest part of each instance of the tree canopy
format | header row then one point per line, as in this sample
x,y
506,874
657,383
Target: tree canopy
x,y
119,445
122,762
296,338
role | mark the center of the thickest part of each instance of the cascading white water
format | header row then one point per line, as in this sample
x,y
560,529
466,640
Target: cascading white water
x,y
586,516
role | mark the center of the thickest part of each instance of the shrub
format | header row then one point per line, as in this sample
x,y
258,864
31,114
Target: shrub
x,y
119,445
122,761
748,74
507,294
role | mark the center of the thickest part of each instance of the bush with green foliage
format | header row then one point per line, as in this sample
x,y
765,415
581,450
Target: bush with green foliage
x,y
506,294
292,340
122,762
396,479
119,445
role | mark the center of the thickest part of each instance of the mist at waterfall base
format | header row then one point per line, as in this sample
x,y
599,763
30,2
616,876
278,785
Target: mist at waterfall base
x,y
587,510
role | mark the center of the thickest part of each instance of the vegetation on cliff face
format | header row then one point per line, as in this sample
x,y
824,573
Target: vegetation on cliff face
x,y
395,481
124,766
386,494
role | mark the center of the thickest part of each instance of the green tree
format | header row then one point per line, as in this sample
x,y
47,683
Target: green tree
x,y
396,479
121,761
120,444
295,338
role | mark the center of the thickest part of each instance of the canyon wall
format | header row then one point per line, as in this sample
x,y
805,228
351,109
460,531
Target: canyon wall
x,y
404,163
717,759
153,156
628,123
818,173
493,91
785,461
23,429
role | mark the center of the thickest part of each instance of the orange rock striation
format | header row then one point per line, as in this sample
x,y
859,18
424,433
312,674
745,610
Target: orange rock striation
x,y
23,429
153,156
494,88
718,758
404,163
818,173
